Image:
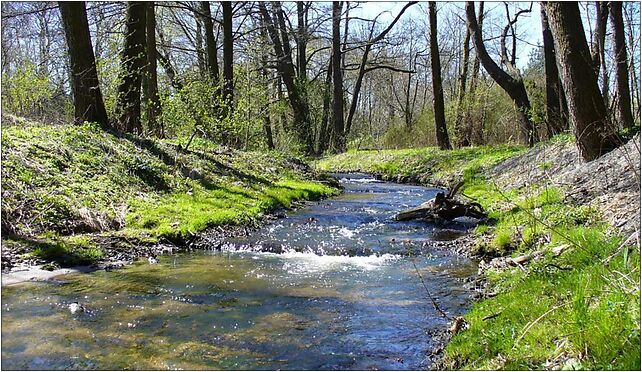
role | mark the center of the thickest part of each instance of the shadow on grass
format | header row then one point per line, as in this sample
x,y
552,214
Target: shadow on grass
x,y
53,251
186,171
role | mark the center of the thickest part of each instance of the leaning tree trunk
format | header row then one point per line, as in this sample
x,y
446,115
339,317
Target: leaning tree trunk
x,y
88,101
622,69
133,62
338,133
586,107
441,132
514,87
153,104
556,111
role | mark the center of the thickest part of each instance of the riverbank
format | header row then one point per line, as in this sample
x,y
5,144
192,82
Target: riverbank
x,y
560,265
76,195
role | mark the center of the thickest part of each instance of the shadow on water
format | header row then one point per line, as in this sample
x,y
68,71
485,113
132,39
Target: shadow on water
x,y
339,295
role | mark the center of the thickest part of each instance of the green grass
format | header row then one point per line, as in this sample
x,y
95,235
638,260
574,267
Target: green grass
x,y
430,164
61,181
579,310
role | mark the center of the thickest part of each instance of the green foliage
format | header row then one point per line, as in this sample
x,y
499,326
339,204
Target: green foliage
x,y
27,92
239,125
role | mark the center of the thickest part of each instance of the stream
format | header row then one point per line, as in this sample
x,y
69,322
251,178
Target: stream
x,y
343,293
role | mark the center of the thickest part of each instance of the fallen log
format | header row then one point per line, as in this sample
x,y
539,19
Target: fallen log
x,y
443,206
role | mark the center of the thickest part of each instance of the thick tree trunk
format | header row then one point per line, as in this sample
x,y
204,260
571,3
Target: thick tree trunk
x,y
556,111
338,133
133,62
622,69
210,41
153,104
586,107
88,101
228,54
441,132
514,87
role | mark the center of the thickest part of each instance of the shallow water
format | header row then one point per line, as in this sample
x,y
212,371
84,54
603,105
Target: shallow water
x,y
344,294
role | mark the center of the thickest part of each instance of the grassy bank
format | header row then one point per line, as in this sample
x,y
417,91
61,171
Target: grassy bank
x,y
64,185
574,309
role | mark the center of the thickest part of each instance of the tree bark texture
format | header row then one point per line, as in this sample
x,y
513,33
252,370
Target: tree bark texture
x,y
586,107
133,61
88,101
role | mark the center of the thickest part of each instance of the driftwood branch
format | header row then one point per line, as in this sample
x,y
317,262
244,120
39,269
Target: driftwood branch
x,y
444,206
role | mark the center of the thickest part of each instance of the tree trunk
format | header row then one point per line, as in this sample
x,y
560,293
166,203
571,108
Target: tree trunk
x,y
586,107
153,104
88,101
622,69
556,111
473,127
599,42
267,124
296,93
441,131
460,133
338,133
514,87
302,40
324,131
228,54
198,43
210,41
133,62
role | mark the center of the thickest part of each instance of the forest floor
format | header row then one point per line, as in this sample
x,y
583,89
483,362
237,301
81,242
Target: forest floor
x,y
559,283
77,195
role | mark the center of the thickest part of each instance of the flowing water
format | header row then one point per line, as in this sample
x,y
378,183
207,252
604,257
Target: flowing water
x,y
343,293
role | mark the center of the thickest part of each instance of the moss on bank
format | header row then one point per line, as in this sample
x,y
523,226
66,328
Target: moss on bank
x,y
62,183
576,310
